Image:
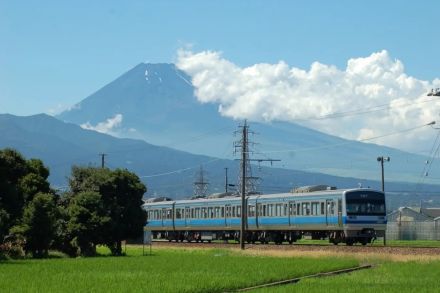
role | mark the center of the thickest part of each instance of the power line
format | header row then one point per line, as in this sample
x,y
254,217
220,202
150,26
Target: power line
x,y
361,111
180,170
347,142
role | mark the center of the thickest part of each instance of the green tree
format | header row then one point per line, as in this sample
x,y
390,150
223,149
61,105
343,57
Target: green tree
x,y
20,181
4,219
121,193
13,167
128,218
87,222
39,224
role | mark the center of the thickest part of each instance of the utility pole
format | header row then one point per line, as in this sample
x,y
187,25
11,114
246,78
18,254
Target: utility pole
x,y
246,186
244,154
381,160
226,180
103,160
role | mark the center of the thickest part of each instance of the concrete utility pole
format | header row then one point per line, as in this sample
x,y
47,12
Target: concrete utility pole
x,y
246,184
244,154
103,160
381,160
226,180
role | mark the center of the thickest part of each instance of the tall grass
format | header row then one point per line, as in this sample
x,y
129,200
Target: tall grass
x,y
164,271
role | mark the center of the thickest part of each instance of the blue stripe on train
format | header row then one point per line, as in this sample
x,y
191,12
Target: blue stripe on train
x,y
266,221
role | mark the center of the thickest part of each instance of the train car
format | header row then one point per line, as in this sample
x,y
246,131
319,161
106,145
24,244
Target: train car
x,y
343,216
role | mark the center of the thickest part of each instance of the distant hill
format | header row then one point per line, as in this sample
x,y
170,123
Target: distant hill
x,y
60,145
157,104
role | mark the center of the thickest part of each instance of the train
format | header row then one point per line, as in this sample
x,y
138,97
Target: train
x,y
347,216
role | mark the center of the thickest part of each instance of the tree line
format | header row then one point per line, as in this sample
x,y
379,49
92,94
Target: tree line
x,y
102,207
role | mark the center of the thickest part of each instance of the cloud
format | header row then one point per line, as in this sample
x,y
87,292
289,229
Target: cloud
x,y
108,126
370,97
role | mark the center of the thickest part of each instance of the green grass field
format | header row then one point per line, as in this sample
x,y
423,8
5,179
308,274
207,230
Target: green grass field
x,y
165,271
385,277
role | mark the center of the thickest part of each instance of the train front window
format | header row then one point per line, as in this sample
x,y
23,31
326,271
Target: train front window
x,y
365,203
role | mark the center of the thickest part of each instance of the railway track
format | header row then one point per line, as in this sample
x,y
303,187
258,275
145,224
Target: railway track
x,y
401,250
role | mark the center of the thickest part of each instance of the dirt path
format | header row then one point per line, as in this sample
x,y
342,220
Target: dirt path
x,y
360,252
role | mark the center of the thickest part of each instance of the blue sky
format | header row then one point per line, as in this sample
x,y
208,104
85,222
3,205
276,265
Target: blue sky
x,y
55,53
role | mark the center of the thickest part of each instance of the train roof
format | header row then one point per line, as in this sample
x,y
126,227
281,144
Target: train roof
x,y
259,196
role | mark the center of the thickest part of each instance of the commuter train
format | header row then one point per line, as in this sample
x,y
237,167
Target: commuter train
x,y
343,216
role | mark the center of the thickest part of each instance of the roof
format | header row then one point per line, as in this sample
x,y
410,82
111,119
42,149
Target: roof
x,y
414,214
262,196
431,212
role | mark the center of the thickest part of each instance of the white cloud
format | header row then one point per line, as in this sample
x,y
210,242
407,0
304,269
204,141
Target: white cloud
x,y
108,126
266,92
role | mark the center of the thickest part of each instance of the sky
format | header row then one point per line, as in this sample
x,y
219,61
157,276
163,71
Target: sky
x,y
53,54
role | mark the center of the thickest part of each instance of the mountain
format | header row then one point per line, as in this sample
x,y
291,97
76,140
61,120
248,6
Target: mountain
x,y
61,145
156,103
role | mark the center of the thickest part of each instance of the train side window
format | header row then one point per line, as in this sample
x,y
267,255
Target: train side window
x,y
238,211
306,208
331,207
251,211
178,214
264,210
322,208
298,209
210,213
292,209
315,206
222,212
286,210
233,212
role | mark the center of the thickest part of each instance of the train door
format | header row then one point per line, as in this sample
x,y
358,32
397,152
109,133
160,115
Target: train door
x,y
163,216
187,216
340,212
228,214
258,213
330,212
291,211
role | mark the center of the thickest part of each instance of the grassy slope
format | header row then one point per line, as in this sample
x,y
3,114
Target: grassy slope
x,y
164,271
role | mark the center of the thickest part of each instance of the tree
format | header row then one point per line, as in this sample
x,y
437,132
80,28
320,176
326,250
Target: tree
x,y
87,222
39,224
4,219
128,218
12,168
20,181
121,193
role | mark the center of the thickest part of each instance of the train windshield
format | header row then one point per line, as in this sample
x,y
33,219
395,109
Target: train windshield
x,y
365,203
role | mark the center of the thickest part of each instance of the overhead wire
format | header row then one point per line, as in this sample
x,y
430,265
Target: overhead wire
x,y
345,142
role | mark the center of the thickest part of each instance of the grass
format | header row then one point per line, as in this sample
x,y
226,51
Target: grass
x,y
386,277
167,270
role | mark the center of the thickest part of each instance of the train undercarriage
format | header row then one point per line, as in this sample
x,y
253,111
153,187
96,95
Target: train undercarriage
x,y
363,237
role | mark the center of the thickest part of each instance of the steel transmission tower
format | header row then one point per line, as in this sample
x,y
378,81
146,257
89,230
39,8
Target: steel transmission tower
x,y
201,184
